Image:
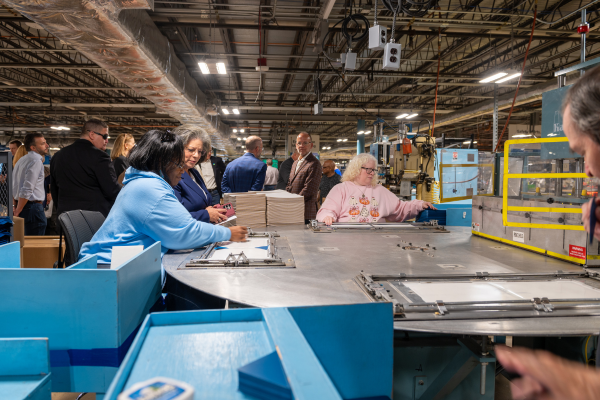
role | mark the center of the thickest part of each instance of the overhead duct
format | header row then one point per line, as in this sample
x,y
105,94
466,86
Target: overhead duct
x,y
119,36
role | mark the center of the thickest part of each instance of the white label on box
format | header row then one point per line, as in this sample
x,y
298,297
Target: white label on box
x,y
121,254
519,237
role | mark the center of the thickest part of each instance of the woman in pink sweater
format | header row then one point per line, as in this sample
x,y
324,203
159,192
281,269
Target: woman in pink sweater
x,y
360,199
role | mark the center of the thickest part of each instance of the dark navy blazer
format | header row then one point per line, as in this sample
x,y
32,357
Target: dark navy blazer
x,y
244,174
193,197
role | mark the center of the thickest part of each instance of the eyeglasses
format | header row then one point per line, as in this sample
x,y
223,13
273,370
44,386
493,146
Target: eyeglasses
x,y
201,153
369,170
180,166
99,134
304,143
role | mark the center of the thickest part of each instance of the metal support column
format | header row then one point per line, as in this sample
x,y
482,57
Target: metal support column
x,y
360,139
495,123
559,170
583,22
578,181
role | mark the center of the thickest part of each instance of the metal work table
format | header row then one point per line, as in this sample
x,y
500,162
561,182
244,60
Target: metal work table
x,y
327,263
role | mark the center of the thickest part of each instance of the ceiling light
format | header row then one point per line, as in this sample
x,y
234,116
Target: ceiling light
x,y
360,132
239,138
324,148
54,148
204,68
235,131
225,111
402,116
221,68
329,148
344,140
468,141
521,136
493,77
339,140
367,132
411,116
60,128
236,111
509,77
242,130
244,138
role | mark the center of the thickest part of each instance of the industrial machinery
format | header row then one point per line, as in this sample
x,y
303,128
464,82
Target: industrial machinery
x,y
406,163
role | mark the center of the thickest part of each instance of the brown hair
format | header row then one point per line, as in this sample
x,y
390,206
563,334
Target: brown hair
x,y
119,145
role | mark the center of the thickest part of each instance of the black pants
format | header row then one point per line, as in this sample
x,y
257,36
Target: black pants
x,y
35,219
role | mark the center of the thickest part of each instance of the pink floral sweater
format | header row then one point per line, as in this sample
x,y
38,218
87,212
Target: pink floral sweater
x,y
349,202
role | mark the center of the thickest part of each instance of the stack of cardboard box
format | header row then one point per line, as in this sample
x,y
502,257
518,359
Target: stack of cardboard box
x,y
36,251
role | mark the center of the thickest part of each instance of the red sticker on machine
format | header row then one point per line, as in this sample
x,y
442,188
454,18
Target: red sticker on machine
x,y
455,155
577,251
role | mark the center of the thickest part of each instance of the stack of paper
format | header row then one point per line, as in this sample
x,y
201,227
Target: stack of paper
x,y
250,209
284,208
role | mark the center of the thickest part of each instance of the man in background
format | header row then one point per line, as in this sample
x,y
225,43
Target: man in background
x,y
306,175
329,179
285,168
246,173
13,145
271,177
28,185
212,169
82,177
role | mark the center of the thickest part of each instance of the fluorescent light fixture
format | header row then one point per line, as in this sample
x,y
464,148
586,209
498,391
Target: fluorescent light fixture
x,y
521,136
509,77
54,148
402,116
339,140
221,68
204,68
236,111
360,132
367,132
411,116
494,77
344,140
239,138
244,138
225,111
242,130
468,141
60,128
235,131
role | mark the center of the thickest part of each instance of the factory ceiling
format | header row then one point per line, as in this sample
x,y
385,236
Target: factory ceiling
x,y
136,64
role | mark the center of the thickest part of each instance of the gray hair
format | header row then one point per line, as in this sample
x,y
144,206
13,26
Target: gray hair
x,y
584,100
189,132
270,161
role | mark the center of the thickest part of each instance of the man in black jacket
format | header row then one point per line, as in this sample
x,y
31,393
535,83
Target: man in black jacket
x,y
285,169
212,169
81,175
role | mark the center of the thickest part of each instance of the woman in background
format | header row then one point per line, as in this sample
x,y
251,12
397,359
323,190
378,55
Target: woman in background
x,y
360,199
123,145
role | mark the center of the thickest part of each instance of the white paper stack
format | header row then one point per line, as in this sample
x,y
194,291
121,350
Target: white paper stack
x,y
284,208
250,209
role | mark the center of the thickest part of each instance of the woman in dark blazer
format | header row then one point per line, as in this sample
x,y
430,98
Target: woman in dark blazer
x,y
191,190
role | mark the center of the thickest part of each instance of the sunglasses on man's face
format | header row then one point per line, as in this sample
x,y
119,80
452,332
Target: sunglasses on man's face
x,y
105,136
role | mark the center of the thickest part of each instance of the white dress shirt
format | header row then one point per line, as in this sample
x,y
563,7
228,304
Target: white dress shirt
x,y
208,174
272,176
28,178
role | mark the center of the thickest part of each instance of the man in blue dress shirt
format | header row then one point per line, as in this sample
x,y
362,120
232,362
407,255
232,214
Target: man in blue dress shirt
x,y
247,173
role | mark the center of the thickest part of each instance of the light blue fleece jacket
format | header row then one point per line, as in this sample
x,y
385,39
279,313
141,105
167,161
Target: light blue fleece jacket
x,y
146,211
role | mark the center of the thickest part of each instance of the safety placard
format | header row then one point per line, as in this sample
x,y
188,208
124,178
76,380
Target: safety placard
x,y
577,251
519,237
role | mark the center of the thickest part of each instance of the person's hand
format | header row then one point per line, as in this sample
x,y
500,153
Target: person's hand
x,y
216,214
546,376
427,205
585,217
48,198
328,221
238,233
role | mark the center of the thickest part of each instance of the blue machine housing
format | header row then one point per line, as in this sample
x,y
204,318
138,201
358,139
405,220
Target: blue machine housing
x,y
90,315
24,369
327,352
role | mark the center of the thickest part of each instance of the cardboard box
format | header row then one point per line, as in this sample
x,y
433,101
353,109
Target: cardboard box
x,y
19,230
40,251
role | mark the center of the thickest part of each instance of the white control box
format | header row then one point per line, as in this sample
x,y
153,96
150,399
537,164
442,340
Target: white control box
x,y
318,110
350,62
391,56
377,37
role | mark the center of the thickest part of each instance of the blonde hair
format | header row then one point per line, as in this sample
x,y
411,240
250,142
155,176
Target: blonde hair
x,y
355,165
119,145
21,151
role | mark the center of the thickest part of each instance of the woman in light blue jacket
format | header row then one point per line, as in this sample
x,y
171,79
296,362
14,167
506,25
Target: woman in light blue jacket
x,y
147,211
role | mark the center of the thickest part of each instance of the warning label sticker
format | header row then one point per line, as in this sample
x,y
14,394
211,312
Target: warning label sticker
x,y
519,237
455,155
577,251
475,226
